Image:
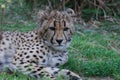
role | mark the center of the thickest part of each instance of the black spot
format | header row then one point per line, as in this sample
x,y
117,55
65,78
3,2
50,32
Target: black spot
x,y
33,71
34,62
40,75
45,48
1,50
37,44
27,48
37,47
14,63
35,38
29,69
43,53
42,72
21,62
54,56
18,58
10,47
41,56
1,63
31,35
60,59
25,53
31,51
68,73
25,66
51,77
28,40
34,56
42,46
43,60
28,61
15,59
47,75
7,39
3,43
57,64
33,48
37,51
55,72
39,69
48,51
75,78
27,56
20,55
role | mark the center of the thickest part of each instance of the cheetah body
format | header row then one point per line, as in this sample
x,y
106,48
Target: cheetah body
x,y
38,53
17,47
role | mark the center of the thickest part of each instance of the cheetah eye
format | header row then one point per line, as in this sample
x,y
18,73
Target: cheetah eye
x,y
52,28
66,29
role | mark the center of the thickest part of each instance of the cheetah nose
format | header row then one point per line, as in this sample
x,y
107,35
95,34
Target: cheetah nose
x,y
59,41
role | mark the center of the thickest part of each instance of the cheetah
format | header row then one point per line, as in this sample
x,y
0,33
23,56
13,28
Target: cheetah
x,y
38,53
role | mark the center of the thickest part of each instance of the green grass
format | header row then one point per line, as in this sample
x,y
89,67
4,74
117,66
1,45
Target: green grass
x,y
92,53
5,76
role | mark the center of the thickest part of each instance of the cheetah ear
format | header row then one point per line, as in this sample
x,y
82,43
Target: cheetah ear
x,y
41,16
71,13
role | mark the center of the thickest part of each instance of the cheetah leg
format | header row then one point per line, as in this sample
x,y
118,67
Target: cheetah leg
x,y
50,72
53,73
69,75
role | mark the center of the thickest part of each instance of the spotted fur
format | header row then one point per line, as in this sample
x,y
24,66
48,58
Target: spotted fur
x,y
38,53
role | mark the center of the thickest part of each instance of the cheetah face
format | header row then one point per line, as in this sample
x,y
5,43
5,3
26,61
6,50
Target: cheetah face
x,y
58,34
57,30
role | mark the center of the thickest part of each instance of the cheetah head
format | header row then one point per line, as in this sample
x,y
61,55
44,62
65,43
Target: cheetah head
x,y
56,28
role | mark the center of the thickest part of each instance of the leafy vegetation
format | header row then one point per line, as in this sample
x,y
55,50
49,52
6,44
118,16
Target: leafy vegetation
x,y
20,11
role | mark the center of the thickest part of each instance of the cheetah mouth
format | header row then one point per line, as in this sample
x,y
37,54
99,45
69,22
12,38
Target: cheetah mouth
x,y
61,48
57,45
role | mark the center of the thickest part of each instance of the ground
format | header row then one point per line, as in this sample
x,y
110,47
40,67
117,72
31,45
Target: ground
x,y
94,52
